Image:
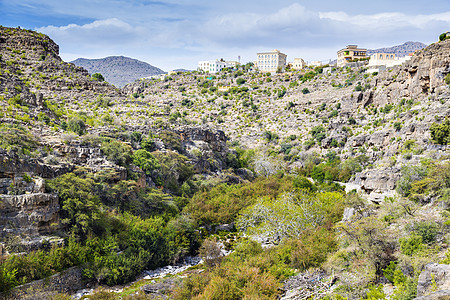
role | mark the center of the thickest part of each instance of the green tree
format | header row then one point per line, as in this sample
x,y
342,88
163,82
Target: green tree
x,y
440,132
145,160
80,206
98,77
76,125
117,152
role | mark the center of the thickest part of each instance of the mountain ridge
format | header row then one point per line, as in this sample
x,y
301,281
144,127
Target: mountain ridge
x,y
118,70
400,50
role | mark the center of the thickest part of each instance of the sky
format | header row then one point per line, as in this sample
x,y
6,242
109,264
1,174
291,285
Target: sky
x,y
173,34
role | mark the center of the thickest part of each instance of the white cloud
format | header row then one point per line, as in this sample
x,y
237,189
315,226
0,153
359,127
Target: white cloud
x,y
109,32
293,28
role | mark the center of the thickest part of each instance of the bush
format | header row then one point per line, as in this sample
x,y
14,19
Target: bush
x,y
409,174
318,133
240,81
98,77
80,206
305,91
76,125
444,36
117,152
411,245
440,132
427,230
145,160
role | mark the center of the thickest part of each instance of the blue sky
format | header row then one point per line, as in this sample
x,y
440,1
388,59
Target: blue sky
x,y
173,34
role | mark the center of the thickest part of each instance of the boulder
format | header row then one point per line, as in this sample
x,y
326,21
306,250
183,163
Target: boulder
x,y
434,277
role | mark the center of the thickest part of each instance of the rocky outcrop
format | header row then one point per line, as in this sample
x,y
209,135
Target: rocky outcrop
x,y
434,277
68,281
28,214
439,295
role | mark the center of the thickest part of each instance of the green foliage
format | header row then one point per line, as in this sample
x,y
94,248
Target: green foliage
x,y
222,203
98,77
375,292
289,214
397,126
174,171
318,133
427,230
305,91
117,152
444,36
17,138
409,174
76,125
411,245
270,136
8,278
440,132
447,78
171,140
80,207
148,143
240,81
145,160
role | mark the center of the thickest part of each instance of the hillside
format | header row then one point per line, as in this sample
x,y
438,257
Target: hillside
x,y
345,175
118,70
399,50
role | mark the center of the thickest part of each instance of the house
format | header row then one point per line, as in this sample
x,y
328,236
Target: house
x,y
350,53
298,64
271,61
381,61
215,66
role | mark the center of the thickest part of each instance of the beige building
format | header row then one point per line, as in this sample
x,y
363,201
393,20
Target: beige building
x,y
271,61
380,61
298,64
349,53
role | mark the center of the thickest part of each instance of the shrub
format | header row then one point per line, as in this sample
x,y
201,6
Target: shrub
x,y
443,36
440,132
409,174
305,91
240,81
76,125
427,230
318,133
397,126
98,77
447,78
80,206
411,245
145,160
117,152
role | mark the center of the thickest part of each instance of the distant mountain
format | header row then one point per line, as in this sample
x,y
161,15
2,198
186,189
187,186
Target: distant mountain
x,y
182,70
118,70
400,50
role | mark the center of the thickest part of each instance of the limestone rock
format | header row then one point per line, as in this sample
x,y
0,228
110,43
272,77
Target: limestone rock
x,y
439,273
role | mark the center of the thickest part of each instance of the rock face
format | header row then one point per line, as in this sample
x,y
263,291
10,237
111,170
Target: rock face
x,y
435,277
29,214
439,295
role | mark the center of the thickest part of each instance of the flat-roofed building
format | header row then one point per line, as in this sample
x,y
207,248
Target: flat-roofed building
x,y
381,61
298,64
215,66
350,53
271,61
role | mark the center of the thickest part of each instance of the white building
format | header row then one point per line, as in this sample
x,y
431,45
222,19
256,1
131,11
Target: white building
x,y
381,61
298,64
215,66
271,61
